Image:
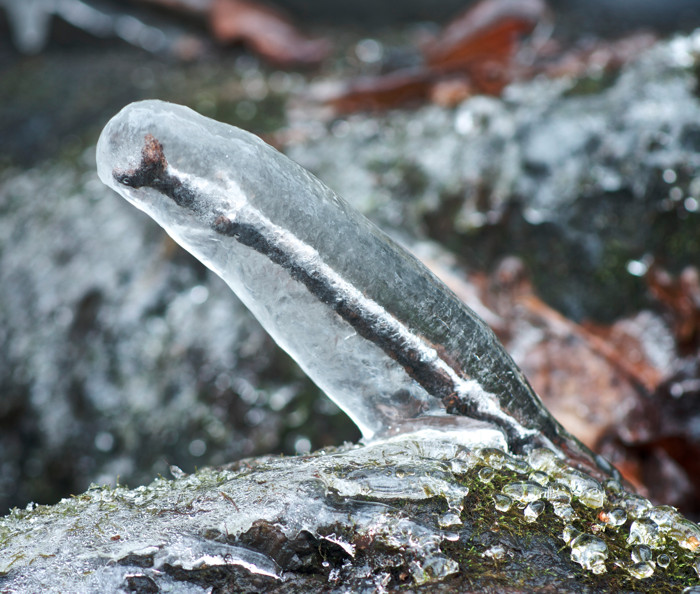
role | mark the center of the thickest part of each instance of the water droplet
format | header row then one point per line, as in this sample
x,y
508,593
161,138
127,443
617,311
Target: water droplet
x,y
449,519
543,459
517,465
539,477
199,294
436,567
371,51
564,511
302,445
615,517
637,267
502,502
590,552
644,531
685,533
486,474
525,492
587,489
641,570
669,176
613,486
495,552
493,457
663,560
635,505
177,472
558,493
533,510
459,466
197,447
104,441
570,533
641,553
663,515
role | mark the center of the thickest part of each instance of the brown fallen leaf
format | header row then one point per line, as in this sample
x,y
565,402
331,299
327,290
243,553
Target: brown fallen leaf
x,y
681,298
659,440
487,33
586,380
377,93
623,388
266,30
473,54
491,44
263,28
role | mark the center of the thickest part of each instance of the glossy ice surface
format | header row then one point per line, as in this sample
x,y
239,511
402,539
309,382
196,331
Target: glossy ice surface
x,y
386,340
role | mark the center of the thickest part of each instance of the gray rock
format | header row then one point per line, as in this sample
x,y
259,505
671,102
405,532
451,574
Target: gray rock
x,y
414,512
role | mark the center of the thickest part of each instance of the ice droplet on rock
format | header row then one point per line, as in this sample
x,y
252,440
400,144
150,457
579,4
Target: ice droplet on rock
x,y
644,532
615,517
369,324
502,502
525,492
663,560
590,552
641,553
533,510
641,570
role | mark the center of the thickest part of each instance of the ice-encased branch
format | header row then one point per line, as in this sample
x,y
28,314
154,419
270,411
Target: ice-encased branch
x,y
371,326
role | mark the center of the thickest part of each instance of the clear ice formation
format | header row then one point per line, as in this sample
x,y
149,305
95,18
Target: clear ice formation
x,y
369,324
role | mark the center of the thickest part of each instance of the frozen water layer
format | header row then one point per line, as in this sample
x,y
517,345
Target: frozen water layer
x,y
387,341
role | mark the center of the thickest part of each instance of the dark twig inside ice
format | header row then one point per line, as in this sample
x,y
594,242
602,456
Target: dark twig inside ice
x,y
390,344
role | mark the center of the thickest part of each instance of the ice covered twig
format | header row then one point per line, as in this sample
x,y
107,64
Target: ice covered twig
x,y
379,333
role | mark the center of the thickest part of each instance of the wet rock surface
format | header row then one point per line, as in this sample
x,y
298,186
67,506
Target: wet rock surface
x,y
412,512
